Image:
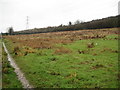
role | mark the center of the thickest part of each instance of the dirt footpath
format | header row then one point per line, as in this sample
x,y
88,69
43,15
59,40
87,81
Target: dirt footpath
x,y
20,75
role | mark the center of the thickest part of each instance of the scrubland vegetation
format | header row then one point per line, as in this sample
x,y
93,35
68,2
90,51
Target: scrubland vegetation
x,y
70,59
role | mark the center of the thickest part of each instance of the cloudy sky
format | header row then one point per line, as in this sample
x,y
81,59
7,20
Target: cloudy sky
x,y
43,13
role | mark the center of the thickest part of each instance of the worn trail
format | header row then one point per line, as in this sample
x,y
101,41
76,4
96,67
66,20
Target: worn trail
x,y
19,73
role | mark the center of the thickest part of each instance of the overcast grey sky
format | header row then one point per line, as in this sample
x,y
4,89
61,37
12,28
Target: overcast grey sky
x,y
43,13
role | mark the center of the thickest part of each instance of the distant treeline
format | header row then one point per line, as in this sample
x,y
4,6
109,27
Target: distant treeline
x,y
109,22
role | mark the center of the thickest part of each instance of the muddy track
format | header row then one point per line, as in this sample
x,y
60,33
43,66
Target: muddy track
x,y
19,73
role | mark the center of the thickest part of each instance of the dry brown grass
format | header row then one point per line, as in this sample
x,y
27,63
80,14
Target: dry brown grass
x,y
90,45
62,50
48,40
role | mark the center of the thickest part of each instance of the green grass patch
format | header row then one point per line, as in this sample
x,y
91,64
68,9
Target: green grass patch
x,y
86,66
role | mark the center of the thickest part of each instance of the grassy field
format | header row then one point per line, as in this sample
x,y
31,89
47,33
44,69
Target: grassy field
x,y
0,64
71,59
9,78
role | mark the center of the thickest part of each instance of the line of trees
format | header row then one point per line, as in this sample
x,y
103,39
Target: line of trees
x,y
109,22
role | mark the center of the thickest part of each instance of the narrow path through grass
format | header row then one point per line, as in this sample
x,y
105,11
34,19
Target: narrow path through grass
x,y
20,75
9,78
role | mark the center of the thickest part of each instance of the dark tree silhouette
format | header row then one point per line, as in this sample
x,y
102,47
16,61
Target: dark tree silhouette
x,y
70,23
10,30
